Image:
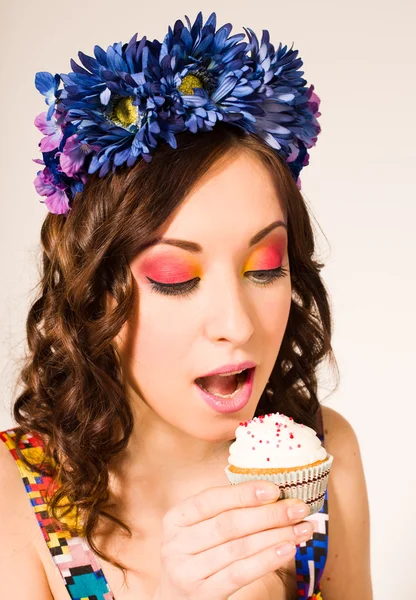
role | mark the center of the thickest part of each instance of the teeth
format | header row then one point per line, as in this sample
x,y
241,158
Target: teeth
x,y
232,373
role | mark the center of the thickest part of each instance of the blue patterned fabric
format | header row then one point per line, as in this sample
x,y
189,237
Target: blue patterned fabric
x,y
311,555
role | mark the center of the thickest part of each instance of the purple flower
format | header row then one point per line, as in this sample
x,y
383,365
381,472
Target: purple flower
x,y
56,198
72,158
52,131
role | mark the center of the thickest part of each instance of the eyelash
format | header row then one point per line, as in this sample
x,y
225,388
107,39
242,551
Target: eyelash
x,y
186,288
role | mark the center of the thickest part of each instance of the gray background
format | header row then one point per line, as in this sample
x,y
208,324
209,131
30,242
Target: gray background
x,y
360,57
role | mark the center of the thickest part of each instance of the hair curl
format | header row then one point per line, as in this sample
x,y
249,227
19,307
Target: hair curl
x,y
73,395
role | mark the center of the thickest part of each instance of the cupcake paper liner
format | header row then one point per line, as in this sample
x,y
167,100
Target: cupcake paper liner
x,y
307,484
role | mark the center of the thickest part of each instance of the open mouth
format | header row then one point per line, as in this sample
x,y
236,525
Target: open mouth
x,y
223,386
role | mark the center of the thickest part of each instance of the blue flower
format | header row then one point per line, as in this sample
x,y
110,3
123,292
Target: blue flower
x,y
47,85
119,104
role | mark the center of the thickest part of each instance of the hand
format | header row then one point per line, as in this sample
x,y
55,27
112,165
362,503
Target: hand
x,y
224,538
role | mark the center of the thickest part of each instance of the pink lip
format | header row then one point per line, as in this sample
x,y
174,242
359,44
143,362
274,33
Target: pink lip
x,y
248,364
230,405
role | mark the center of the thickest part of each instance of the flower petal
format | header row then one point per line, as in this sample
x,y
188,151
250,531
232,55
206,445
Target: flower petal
x,y
57,202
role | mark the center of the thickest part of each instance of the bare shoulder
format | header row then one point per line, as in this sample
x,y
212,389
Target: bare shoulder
x,y
347,570
336,426
19,534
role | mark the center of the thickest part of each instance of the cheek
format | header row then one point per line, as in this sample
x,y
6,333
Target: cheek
x,y
158,360
154,342
276,307
275,311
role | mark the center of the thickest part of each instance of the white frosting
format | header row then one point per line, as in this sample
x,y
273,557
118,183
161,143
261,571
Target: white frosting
x,y
275,441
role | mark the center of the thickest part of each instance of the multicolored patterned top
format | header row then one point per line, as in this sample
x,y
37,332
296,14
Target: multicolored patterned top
x,y
80,567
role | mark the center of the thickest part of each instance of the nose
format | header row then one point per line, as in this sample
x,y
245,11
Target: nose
x,y
228,315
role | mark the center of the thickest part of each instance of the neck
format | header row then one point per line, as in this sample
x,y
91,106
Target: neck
x,y
163,465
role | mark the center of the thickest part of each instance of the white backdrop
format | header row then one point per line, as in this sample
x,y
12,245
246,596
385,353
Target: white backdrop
x,y
360,57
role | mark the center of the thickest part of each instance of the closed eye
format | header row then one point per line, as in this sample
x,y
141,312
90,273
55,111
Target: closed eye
x,y
185,288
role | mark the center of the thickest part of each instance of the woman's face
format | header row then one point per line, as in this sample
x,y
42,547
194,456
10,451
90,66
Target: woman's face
x,y
226,316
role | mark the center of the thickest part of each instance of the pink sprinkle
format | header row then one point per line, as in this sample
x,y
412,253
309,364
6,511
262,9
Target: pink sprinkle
x,y
299,446
277,446
252,435
253,448
285,425
290,448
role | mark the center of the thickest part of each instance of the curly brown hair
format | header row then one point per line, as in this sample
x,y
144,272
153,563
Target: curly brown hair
x,y
73,392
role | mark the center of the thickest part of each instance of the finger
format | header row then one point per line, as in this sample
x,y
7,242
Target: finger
x,y
237,523
216,500
206,564
243,572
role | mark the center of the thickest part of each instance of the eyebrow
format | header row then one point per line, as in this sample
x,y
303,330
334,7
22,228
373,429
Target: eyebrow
x,y
195,248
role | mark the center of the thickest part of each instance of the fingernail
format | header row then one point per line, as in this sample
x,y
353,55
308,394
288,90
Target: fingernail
x,y
268,492
285,549
298,511
302,529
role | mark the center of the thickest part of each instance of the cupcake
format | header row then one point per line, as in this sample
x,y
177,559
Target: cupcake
x,y
290,454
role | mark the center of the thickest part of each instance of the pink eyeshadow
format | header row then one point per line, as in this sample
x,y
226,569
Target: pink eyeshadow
x,y
266,258
168,271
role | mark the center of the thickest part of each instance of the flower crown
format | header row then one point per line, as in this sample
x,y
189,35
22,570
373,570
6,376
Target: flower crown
x,y
119,105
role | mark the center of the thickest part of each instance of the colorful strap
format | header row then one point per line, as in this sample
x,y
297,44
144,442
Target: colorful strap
x,y
311,555
78,565
80,568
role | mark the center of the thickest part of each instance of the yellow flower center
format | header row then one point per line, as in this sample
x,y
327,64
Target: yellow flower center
x,y
189,82
124,113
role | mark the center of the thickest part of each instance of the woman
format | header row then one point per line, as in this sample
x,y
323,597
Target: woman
x,y
156,272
